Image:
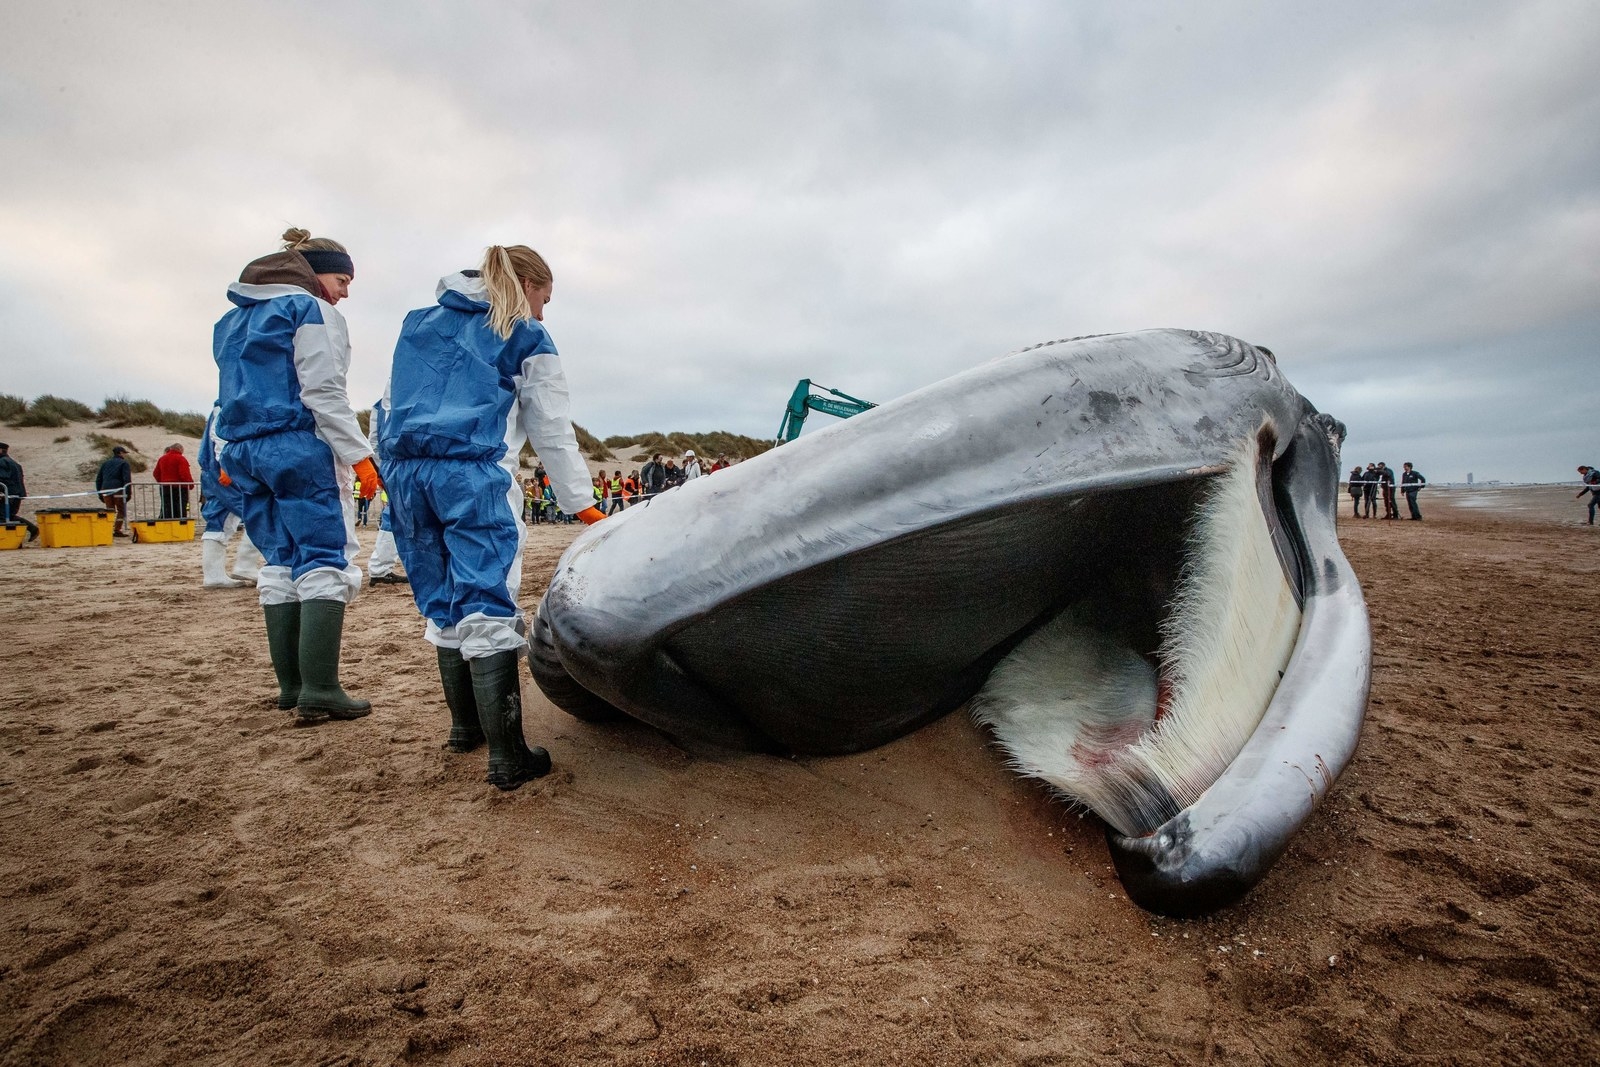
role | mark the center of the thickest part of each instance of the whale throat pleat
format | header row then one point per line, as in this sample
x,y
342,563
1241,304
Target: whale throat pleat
x,y
1134,742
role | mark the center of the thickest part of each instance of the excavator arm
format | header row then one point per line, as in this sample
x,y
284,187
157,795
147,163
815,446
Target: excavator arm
x,y
803,401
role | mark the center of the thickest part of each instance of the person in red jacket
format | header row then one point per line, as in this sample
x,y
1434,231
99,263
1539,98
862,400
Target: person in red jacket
x,y
172,473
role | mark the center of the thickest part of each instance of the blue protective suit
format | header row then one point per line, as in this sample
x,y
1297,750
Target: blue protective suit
x,y
380,415
221,501
282,355
384,552
462,401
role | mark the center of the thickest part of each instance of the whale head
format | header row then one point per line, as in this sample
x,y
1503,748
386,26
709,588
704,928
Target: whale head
x,y
1118,551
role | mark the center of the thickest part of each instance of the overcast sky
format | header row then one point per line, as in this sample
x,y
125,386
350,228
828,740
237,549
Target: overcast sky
x,y
1401,200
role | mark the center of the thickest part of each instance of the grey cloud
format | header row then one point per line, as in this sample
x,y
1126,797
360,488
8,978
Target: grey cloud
x,y
871,194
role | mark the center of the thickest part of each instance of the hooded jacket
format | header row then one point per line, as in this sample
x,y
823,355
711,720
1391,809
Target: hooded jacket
x,y
173,467
458,391
282,356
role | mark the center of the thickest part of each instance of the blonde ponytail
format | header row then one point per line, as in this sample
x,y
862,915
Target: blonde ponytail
x,y
504,270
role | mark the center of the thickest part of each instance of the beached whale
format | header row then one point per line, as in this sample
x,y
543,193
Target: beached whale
x,y
1119,550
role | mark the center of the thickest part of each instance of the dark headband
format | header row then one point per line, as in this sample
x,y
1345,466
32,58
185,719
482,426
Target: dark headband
x,y
329,262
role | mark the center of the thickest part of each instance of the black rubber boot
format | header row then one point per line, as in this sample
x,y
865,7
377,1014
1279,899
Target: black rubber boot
x,y
499,695
283,642
321,632
466,733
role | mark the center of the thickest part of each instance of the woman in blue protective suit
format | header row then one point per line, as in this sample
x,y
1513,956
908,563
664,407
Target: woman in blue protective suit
x,y
282,354
473,378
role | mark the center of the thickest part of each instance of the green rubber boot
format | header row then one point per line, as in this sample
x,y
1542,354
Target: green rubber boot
x,y
283,642
498,691
466,733
321,631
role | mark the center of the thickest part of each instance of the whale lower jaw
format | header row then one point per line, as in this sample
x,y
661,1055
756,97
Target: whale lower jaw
x,y
1137,741
1198,811
1213,851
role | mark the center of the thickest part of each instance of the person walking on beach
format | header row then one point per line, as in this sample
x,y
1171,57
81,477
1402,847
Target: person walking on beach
x,y
294,448
1369,491
113,482
1411,481
1355,492
1591,485
13,489
473,378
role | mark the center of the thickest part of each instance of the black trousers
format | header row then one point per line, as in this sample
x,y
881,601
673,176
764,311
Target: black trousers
x,y
1411,502
11,511
174,501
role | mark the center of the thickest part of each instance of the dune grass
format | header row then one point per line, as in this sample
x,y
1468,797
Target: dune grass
x,y
50,410
706,445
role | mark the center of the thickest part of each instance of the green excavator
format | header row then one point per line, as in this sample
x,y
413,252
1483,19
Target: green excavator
x,y
803,401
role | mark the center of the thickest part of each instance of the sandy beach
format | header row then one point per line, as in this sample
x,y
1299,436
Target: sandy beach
x,y
189,879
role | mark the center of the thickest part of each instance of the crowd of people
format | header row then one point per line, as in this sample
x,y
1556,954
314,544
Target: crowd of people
x,y
614,492
1366,486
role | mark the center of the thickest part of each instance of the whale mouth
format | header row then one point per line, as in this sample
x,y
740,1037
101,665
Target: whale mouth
x,y
1152,588
1135,725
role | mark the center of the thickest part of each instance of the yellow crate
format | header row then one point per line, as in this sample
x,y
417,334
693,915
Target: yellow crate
x,y
154,530
74,528
12,534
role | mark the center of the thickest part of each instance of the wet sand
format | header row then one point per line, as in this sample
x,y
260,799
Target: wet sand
x,y
189,879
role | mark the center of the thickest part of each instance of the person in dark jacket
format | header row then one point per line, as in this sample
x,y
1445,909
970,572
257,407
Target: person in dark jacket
x,y
1411,480
16,488
653,476
114,481
1391,510
1355,491
1369,491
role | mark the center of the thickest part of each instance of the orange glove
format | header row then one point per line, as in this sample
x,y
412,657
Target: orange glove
x,y
367,471
590,516
222,476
